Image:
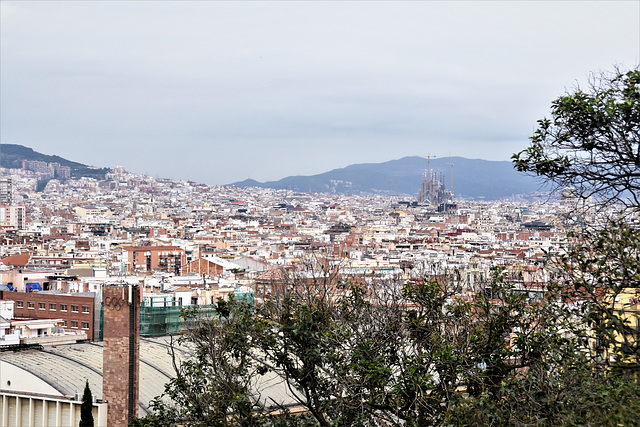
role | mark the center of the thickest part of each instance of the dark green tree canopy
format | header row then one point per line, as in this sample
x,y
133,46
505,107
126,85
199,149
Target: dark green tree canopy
x,y
592,140
86,414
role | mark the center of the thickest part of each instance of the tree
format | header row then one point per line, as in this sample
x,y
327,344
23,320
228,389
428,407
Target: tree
x,y
86,409
214,381
592,141
589,375
361,352
368,351
598,279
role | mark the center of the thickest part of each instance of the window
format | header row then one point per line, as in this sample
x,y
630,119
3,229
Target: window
x,y
63,307
64,323
52,306
85,325
31,304
42,306
74,308
74,323
85,308
19,304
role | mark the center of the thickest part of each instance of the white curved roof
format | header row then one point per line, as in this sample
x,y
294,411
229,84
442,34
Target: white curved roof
x,y
65,368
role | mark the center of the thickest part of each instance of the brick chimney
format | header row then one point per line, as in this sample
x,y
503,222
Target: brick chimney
x,y
120,357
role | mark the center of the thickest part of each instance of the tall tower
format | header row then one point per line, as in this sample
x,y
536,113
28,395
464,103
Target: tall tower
x,y
5,190
121,352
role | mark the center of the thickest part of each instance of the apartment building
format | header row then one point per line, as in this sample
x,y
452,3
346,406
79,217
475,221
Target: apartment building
x,y
12,216
79,312
147,259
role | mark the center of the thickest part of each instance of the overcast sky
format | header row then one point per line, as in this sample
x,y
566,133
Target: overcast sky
x,y
218,92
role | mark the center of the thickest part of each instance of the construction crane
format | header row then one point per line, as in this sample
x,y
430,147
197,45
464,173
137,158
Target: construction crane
x,y
428,157
451,179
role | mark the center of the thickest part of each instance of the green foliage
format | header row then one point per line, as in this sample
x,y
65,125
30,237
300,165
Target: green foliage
x,y
584,368
416,356
592,140
14,154
42,184
212,386
571,396
86,414
594,277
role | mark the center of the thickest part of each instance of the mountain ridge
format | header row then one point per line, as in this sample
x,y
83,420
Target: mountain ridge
x,y
12,155
472,178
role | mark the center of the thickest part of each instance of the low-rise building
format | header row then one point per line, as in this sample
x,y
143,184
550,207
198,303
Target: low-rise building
x,y
78,312
147,259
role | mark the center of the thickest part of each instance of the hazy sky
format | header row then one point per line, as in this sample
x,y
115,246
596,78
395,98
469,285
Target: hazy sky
x,y
217,92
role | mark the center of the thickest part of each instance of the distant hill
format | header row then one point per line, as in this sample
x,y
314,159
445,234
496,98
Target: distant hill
x,y
473,179
12,155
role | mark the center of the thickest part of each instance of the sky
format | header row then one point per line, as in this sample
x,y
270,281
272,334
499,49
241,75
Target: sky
x,y
217,92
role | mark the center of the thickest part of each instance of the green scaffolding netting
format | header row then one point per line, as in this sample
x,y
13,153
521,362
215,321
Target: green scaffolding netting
x,y
167,320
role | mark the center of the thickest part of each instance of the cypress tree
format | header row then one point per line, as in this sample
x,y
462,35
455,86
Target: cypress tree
x,y
86,416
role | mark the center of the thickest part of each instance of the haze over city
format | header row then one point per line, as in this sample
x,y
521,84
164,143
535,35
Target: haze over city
x,y
217,92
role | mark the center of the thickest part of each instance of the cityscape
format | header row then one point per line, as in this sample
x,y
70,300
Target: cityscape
x,y
319,214
187,245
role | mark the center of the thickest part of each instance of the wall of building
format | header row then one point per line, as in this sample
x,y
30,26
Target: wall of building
x,y
13,216
19,277
39,410
83,319
15,379
149,258
203,266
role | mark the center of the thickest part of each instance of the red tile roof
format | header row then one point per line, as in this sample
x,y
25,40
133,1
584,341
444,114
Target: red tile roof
x,y
19,260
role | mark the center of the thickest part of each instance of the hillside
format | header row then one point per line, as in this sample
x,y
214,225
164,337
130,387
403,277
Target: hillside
x,y
472,178
12,155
